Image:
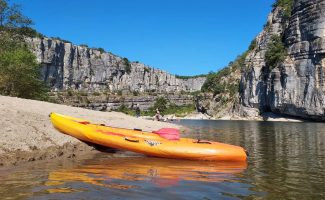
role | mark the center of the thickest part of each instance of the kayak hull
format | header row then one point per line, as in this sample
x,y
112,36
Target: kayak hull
x,y
145,142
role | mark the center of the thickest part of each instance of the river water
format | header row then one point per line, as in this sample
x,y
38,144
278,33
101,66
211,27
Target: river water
x,y
287,161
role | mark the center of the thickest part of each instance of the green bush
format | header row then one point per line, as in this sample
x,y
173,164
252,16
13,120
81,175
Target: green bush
x,y
233,89
83,94
84,45
188,77
62,40
252,46
127,65
213,81
286,5
275,53
161,104
96,93
29,32
101,50
146,69
20,74
136,93
70,92
126,110
171,109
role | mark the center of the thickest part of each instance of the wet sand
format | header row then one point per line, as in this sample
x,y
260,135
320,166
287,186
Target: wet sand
x,y
28,135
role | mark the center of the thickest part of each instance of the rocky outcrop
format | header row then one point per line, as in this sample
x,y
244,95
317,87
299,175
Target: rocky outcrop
x,y
296,86
113,102
65,65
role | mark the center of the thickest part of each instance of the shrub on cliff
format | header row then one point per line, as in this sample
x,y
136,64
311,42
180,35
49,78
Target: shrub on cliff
x,y
275,53
127,65
213,81
286,5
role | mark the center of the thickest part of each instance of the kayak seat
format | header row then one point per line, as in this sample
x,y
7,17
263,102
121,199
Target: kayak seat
x,y
168,133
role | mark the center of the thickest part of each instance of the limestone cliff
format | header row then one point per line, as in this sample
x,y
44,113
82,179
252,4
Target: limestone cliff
x,y
65,65
295,86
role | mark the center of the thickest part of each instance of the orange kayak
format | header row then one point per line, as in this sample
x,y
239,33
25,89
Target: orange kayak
x,y
146,143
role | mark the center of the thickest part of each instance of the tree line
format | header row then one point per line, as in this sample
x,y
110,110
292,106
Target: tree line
x,y
20,74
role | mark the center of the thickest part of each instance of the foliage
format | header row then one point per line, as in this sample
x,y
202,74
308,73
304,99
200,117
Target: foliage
x,y
188,77
135,93
126,110
58,38
96,93
101,50
213,81
172,109
19,71
84,45
233,89
287,6
275,53
252,46
164,107
82,93
127,65
11,16
161,104
146,70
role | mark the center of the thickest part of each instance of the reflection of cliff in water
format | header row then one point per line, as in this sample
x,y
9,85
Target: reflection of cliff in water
x,y
160,172
285,158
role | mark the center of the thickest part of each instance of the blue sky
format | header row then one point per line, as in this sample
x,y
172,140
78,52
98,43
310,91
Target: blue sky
x,y
185,37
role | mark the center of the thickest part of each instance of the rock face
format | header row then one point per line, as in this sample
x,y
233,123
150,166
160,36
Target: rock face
x,y
144,102
65,65
296,87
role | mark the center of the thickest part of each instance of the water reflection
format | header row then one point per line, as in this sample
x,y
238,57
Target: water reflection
x,y
160,172
287,160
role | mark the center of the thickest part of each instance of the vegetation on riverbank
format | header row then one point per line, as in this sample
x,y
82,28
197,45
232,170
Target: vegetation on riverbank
x,y
164,106
224,81
19,71
188,77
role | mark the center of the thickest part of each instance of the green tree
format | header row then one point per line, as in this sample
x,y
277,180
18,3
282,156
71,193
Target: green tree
x,y
20,74
161,104
11,16
19,70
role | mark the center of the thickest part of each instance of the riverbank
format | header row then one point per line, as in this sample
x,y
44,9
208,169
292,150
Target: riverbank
x,y
28,135
272,117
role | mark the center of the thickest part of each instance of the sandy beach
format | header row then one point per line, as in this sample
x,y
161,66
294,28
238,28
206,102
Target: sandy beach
x,y
28,135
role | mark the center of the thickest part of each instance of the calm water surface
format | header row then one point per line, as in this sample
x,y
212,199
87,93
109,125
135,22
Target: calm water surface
x,y
287,161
